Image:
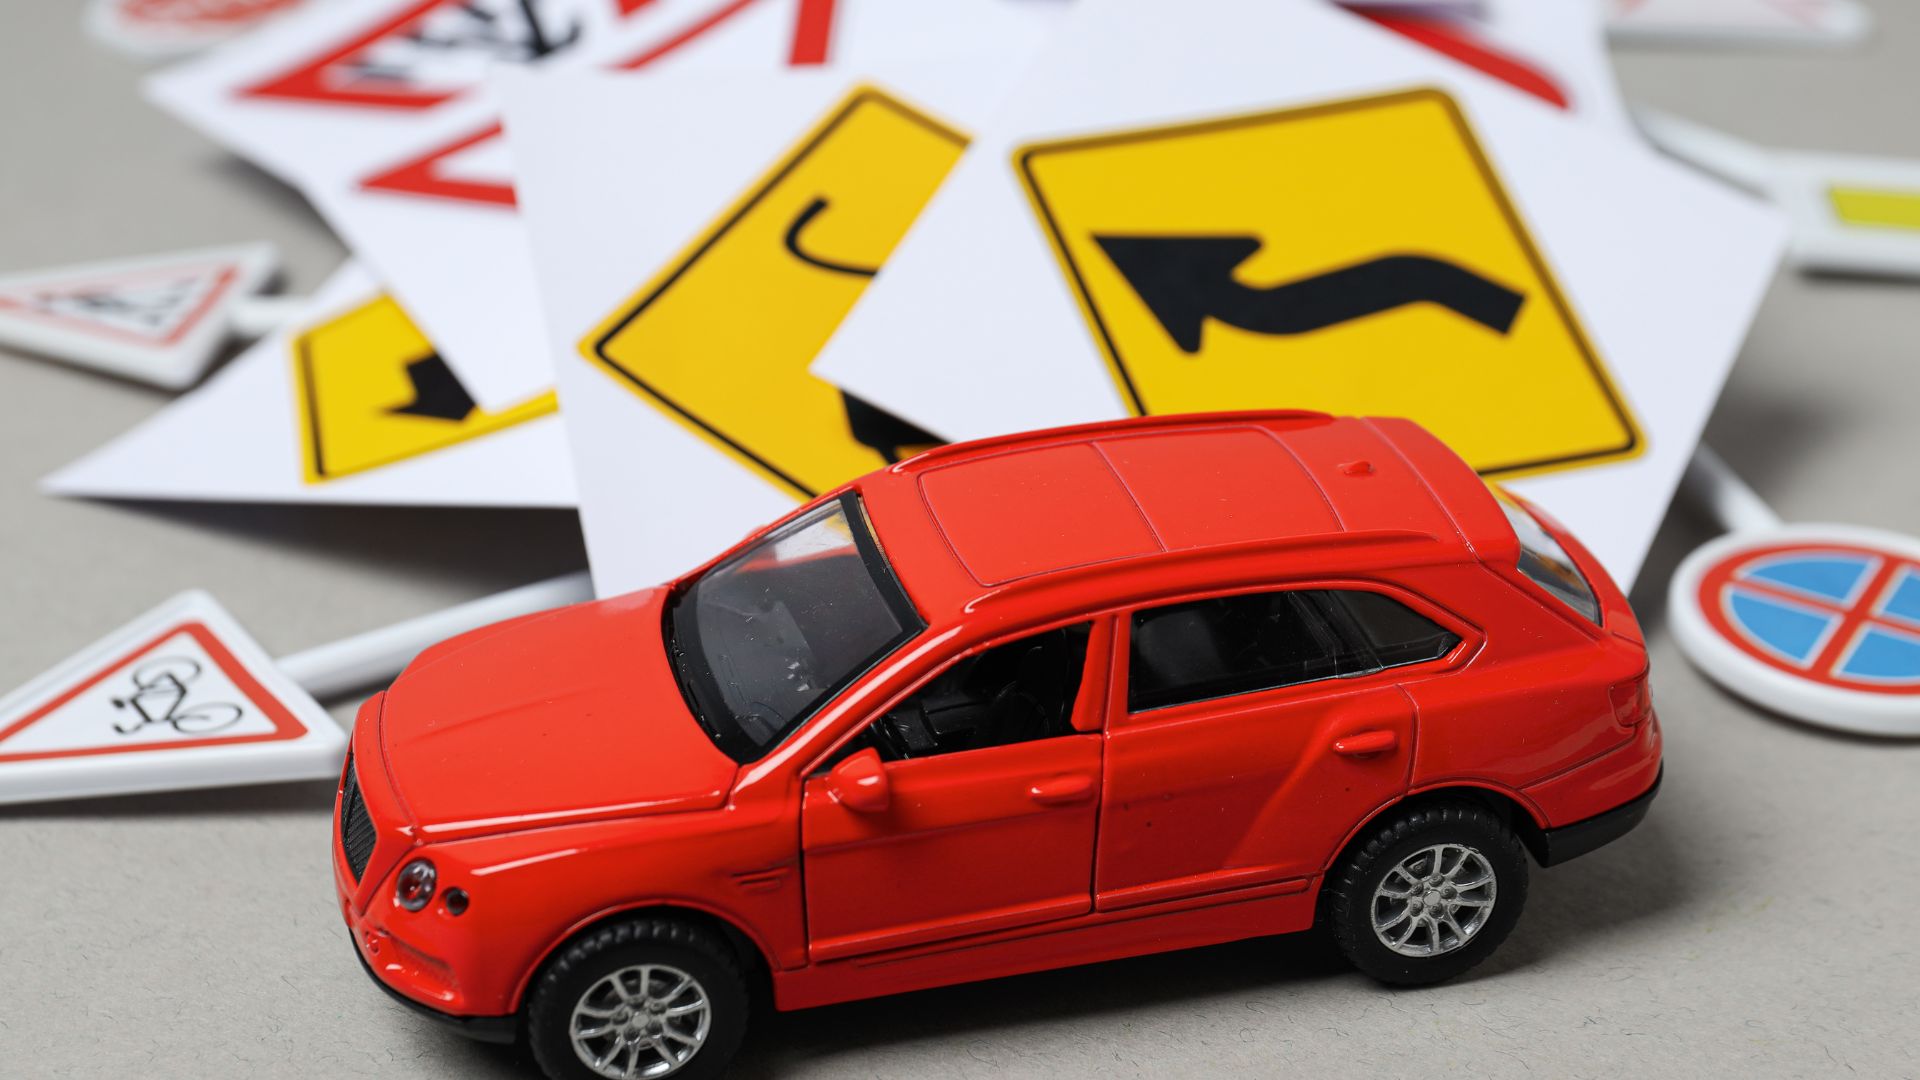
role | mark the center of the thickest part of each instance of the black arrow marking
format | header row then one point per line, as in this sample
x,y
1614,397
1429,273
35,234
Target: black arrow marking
x,y
437,393
793,245
880,430
1184,280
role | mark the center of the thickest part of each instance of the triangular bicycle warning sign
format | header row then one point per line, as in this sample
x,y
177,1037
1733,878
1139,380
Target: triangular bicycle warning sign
x,y
158,319
1353,256
797,248
372,391
180,698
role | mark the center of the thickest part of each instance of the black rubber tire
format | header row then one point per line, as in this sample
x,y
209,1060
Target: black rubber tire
x,y
1347,898
597,953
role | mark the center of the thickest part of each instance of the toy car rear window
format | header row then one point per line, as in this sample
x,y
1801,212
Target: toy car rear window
x,y
1229,645
1547,564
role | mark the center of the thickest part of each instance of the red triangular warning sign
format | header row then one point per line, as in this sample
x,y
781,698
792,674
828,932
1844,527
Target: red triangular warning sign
x,y
435,173
445,171
180,698
157,319
426,53
159,28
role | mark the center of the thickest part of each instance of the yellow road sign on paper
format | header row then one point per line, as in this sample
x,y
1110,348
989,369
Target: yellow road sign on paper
x,y
1359,256
371,391
721,339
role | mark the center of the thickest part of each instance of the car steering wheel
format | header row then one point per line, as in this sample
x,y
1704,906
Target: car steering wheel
x,y
906,731
1016,714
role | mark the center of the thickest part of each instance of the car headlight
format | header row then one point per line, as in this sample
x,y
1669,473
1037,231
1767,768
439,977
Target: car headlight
x,y
414,887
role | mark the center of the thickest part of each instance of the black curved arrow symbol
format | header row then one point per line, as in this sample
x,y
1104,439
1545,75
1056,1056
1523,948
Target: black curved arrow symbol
x,y
1185,280
793,244
881,431
437,393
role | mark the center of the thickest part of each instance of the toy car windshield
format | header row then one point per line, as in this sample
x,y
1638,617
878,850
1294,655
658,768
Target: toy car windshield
x,y
763,639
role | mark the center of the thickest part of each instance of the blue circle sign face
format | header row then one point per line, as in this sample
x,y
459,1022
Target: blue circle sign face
x,y
1819,622
1842,616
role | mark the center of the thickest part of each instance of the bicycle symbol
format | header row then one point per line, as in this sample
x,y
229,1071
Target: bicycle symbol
x,y
160,692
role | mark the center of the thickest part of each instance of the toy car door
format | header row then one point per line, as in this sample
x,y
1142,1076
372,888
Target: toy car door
x,y
1258,729
977,802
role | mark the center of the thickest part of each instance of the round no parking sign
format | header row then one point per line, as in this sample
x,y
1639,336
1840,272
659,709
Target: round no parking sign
x,y
1821,622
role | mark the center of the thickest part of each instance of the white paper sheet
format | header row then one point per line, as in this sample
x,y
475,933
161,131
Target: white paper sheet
x,y
658,496
1662,270
245,437
430,208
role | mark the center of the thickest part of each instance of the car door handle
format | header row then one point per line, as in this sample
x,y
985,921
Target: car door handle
x,y
1061,790
1366,742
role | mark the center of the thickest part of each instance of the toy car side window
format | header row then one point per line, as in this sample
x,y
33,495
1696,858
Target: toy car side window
x,y
1015,692
1228,645
1395,633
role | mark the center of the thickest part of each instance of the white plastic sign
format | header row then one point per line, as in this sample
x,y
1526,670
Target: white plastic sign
x,y
161,28
1851,214
179,698
1817,622
1738,22
158,320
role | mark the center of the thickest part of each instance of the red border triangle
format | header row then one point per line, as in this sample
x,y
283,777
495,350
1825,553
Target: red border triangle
x,y
285,724
223,280
422,175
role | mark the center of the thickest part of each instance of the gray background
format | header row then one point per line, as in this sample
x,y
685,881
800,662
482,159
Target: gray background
x,y
1762,921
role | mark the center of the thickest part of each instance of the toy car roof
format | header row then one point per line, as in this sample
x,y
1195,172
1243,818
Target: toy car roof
x,y
1171,497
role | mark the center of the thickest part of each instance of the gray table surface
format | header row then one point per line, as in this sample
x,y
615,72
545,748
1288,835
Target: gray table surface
x,y
1765,920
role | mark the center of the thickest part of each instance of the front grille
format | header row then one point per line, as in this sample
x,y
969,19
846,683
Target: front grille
x,y
356,828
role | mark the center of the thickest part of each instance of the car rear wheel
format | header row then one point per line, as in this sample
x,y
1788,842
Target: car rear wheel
x,y
1428,893
648,998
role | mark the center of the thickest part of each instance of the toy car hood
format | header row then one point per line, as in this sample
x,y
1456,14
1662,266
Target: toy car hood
x,y
565,716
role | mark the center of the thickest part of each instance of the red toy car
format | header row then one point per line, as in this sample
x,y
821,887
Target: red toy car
x,y
1016,704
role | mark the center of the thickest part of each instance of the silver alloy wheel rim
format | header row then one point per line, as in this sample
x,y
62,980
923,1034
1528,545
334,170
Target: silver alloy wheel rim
x,y
1434,901
642,1021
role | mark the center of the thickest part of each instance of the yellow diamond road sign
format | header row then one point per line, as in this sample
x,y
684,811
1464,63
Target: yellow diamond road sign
x,y
720,340
372,391
1359,256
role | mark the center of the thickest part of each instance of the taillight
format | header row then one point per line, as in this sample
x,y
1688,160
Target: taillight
x,y
1632,701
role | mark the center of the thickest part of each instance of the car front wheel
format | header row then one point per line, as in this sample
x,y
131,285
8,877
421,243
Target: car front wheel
x,y
646,998
1428,893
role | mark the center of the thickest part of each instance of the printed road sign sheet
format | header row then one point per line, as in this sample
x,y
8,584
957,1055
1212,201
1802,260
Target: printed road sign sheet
x,y
434,212
1555,300
379,112
346,92
160,319
372,391
349,403
684,334
1553,47
438,219
179,698
334,85
1426,279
